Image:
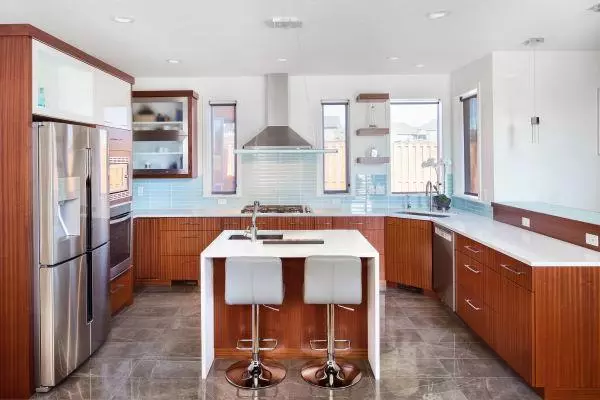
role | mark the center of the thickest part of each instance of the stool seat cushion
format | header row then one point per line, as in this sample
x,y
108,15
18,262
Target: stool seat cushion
x,y
253,280
332,280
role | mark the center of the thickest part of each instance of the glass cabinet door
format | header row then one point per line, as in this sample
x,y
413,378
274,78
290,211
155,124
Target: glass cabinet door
x,y
160,136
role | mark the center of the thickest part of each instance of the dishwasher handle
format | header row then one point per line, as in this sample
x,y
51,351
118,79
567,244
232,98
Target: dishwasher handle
x,y
443,233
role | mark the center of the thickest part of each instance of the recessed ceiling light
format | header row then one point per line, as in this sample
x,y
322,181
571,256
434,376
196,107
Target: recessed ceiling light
x,y
173,61
284,22
420,65
282,59
123,20
595,8
438,14
393,58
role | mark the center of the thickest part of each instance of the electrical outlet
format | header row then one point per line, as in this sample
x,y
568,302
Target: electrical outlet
x,y
222,202
591,239
526,222
140,191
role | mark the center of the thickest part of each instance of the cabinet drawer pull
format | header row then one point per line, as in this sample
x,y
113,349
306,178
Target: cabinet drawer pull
x,y
190,237
508,268
467,266
472,249
116,140
472,306
118,287
191,223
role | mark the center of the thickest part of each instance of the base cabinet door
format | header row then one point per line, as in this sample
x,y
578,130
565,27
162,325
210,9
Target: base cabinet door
x,y
514,338
146,253
408,252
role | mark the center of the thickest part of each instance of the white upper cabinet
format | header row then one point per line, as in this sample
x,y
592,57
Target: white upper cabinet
x,y
112,101
66,88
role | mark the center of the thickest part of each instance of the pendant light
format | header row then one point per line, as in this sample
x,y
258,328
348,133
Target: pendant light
x,y
533,43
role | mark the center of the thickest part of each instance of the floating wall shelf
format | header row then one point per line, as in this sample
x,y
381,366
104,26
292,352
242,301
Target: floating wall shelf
x,y
372,97
373,160
372,131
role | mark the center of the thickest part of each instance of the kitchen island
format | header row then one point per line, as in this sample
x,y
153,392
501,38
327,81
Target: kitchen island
x,y
296,323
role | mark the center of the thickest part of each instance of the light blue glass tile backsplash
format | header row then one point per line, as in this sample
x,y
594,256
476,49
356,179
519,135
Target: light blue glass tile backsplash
x,y
284,179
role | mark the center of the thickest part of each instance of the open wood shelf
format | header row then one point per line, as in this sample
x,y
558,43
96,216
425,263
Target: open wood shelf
x,y
372,97
373,160
372,131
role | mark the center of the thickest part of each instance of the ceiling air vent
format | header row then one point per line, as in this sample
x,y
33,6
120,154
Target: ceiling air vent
x,y
284,23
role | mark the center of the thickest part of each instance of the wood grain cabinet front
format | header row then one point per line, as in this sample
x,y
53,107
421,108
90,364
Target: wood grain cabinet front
x,y
180,268
121,292
146,249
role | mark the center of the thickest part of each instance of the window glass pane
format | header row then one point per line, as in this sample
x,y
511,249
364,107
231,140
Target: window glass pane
x,y
223,146
335,136
414,139
470,118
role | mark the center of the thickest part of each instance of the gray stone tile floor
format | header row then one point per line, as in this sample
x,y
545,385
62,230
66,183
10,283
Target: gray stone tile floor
x,y
153,352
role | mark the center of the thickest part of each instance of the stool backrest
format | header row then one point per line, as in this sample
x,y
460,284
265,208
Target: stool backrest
x,y
253,280
332,280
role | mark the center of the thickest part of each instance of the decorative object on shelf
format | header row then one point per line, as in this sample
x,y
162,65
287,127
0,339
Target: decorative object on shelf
x,y
372,152
144,114
372,123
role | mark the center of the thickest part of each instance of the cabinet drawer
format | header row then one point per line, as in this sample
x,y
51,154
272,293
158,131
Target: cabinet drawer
x,y
296,223
513,270
121,291
323,223
232,223
180,268
377,239
358,223
470,274
472,249
190,224
475,313
185,243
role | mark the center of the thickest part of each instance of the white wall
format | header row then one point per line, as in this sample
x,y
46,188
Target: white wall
x,y
564,167
474,76
306,93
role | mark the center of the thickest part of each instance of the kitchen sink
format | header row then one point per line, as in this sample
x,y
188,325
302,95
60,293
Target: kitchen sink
x,y
424,214
270,236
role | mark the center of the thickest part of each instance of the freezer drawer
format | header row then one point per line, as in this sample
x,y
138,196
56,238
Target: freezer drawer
x,y
64,330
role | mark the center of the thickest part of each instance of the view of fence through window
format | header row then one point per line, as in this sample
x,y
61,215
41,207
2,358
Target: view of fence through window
x,y
414,139
223,145
335,136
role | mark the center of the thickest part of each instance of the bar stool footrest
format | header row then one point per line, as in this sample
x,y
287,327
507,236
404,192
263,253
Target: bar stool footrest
x,y
240,344
345,347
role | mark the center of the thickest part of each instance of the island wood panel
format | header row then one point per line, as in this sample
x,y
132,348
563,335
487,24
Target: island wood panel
x,y
564,229
294,325
408,252
191,224
185,243
16,220
377,239
567,332
146,250
180,268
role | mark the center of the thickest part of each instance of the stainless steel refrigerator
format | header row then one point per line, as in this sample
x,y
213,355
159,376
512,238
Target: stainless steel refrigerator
x,y
71,247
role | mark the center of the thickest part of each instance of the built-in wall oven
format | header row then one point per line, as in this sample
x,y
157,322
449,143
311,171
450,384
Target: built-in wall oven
x,y
120,238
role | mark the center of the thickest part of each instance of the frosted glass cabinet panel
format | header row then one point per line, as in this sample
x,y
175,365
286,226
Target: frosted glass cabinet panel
x,y
63,87
112,101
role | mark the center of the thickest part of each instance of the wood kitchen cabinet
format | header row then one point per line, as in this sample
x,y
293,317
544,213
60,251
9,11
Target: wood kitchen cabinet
x,y
146,250
408,252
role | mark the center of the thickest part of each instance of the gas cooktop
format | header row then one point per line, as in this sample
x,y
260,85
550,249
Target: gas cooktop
x,y
278,209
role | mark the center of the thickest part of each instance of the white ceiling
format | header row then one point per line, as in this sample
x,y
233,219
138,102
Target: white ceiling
x,y
229,37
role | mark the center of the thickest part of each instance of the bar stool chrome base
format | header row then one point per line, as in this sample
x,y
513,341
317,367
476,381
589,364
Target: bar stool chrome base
x,y
336,374
250,374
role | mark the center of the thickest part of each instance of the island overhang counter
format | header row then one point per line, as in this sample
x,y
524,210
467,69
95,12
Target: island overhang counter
x,y
296,323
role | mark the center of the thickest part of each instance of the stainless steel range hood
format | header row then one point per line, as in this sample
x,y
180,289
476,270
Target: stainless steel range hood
x,y
278,137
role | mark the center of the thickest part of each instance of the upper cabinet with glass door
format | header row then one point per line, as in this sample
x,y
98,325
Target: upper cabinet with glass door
x,y
164,134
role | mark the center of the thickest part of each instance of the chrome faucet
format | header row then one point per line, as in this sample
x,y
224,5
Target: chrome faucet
x,y
253,229
429,192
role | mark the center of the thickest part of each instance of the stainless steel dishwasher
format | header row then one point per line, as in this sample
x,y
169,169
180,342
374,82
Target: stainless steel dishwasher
x,y
444,271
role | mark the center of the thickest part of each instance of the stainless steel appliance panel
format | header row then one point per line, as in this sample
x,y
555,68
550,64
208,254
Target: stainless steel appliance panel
x,y
64,330
63,171
120,239
444,272
99,269
100,212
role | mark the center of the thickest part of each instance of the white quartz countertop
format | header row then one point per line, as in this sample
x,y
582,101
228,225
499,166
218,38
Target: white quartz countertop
x,y
337,242
530,248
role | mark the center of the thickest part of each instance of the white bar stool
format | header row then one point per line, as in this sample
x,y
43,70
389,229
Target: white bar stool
x,y
332,280
254,281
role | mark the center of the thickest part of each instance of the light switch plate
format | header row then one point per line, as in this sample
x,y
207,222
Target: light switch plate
x,y
591,239
526,222
222,202
140,191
